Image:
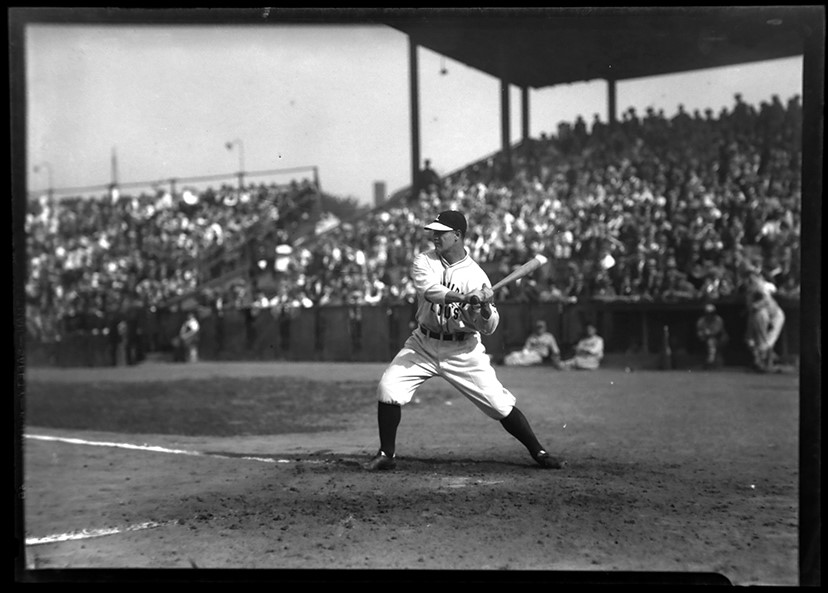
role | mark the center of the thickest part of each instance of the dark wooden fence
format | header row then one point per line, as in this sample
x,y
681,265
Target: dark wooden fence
x,y
375,333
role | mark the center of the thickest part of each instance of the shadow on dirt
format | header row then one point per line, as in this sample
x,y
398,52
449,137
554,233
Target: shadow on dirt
x,y
208,407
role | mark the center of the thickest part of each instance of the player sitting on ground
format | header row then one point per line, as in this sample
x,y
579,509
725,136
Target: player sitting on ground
x,y
588,352
540,347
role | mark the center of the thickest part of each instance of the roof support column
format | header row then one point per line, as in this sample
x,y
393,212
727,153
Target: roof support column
x,y
414,88
813,98
505,130
524,110
612,110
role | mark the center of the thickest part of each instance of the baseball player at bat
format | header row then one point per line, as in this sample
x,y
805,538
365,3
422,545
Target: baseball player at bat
x,y
446,343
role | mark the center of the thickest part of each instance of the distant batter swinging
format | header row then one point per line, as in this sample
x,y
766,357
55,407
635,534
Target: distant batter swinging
x,y
446,343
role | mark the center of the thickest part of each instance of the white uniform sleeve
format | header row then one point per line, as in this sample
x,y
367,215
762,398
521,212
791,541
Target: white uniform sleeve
x,y
475,319
551,343
599,347
427,280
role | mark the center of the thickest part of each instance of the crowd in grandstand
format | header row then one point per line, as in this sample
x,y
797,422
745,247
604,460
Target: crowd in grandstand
x,y
90,259
654,208
657,209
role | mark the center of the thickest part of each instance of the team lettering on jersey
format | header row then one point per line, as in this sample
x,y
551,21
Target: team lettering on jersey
x,y
449,310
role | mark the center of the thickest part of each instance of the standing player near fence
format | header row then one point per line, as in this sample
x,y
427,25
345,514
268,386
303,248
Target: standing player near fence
x,y
446,343
765,322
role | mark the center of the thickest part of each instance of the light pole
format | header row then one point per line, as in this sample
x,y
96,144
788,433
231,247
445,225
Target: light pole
x,y
48,168
229,146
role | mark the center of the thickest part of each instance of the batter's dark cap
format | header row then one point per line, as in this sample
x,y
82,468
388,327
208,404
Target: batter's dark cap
x,y
449,220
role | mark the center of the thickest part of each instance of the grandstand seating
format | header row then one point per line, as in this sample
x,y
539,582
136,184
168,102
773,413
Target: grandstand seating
x,y
682,205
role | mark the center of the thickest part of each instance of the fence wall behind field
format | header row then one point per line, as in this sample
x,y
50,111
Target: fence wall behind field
x,y
375,333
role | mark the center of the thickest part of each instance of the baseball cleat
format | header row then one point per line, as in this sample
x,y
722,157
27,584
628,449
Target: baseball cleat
x,y
380,462
546,461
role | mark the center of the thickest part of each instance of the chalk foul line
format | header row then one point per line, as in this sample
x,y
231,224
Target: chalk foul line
x,y
90,533
153,448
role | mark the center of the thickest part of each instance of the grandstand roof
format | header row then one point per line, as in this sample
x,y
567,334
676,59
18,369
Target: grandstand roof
x,y
544,47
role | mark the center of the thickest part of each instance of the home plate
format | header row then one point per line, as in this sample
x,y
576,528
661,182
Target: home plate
x,y
463,482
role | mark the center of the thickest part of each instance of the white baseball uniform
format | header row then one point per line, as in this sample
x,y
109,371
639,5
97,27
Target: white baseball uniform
x,y
766,318
446,342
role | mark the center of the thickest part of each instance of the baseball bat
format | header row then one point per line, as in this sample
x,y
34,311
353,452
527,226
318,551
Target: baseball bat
x,y
521,272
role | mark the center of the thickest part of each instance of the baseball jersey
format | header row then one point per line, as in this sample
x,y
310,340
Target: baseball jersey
x,y
767,289
710,326
591,346
189,329
433,278
544,344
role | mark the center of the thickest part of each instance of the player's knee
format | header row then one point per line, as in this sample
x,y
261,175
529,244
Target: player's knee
x,y
499,409
501,413
385,398
387,395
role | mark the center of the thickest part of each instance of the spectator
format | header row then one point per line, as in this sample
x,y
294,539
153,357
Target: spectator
x,y
589,351
711,332
789,289
428,180
726,189
552,292
677,287
540,347
602,287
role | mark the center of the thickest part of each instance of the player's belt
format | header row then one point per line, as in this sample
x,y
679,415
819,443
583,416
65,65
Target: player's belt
x,y
458,337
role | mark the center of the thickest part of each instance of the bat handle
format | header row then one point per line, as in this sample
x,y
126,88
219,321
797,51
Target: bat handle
x,y
474,300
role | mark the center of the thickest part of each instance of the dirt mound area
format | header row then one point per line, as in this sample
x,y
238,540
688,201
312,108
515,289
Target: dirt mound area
x,y
669,473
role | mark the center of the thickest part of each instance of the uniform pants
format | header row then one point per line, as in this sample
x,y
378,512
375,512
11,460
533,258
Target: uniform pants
x,y
465,365
765,327
523,358
582,362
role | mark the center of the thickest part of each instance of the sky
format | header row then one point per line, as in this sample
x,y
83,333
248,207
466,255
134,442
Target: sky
x,y
167,100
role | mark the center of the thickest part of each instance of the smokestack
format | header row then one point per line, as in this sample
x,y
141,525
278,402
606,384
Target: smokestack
x,y
379,193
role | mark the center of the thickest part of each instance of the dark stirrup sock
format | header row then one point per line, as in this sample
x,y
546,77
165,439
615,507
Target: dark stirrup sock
x,y
388,418
517,425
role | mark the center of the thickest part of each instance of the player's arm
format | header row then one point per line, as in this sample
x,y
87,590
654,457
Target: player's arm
x,y
484,316
552,344
427,281
587,347
481,296
598,349
486,310
456,297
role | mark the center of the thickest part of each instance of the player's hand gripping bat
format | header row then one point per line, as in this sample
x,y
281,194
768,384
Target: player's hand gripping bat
x,y
523,271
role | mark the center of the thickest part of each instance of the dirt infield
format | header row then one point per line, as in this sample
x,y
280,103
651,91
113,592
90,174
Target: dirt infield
x,y
257,466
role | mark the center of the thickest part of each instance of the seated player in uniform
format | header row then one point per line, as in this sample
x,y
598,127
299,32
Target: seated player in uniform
x,y
588,352
541,346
